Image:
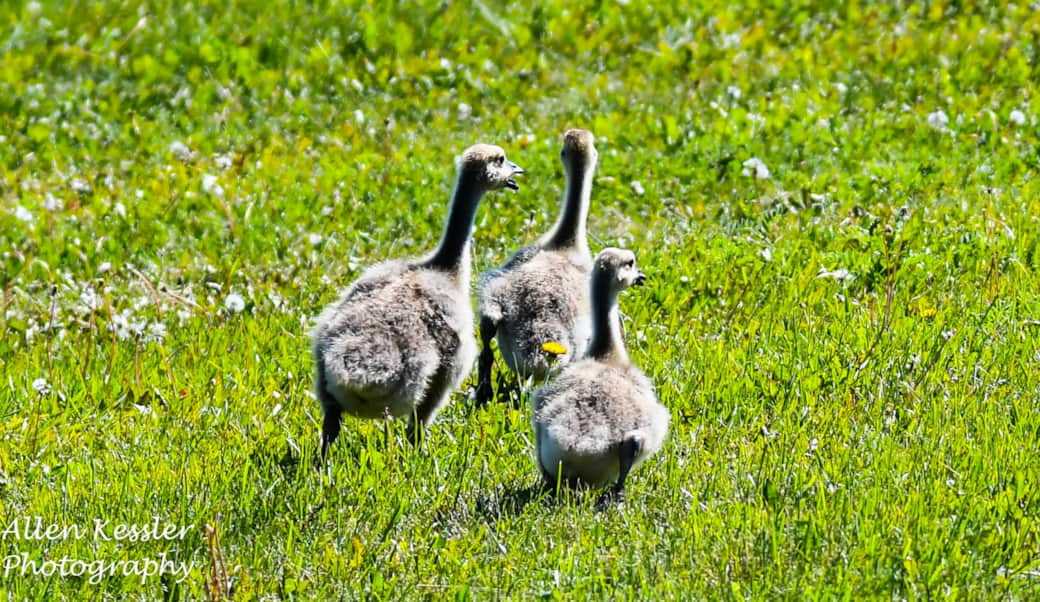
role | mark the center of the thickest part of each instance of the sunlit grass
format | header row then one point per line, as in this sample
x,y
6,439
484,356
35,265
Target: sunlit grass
x,y
842,306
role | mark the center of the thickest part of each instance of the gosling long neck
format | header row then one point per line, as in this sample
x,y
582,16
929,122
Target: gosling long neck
x,y
607,343
452,254
569,231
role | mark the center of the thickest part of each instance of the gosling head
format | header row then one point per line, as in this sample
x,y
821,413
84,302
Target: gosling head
x,y
487,165
579,150
617,268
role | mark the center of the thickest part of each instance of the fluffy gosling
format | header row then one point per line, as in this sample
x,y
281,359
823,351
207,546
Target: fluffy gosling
x,y
599,417
400,338
541,294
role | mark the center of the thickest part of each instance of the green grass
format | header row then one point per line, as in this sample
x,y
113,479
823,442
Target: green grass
x,y
868,437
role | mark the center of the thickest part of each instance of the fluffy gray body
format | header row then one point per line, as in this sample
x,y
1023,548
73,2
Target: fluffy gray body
x,y
599,417
538,296
398,341
583,416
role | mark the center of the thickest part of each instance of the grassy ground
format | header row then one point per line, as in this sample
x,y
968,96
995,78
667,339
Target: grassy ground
x,y
848,346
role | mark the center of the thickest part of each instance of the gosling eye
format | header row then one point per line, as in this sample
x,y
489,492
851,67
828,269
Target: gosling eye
x,y
499,160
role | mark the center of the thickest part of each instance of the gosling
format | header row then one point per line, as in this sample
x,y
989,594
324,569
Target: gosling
x,y
541,294
400,338
599,418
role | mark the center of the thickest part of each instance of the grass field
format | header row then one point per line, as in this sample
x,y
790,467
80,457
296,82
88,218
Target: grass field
x,y
845,331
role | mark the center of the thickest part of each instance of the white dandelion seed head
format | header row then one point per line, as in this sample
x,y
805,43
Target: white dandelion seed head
x,y
234,303
41,386
757,168
1017,117
465,111
23,214
840,274
181,151
52,203
938,120
314,239
223,161
210,185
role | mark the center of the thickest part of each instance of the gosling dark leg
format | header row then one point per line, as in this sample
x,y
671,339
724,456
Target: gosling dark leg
x,y
330,428
486,362
333,413
426,409
627,452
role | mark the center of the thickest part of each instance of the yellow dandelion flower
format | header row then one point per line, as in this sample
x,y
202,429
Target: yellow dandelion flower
x,y
553,348
924,308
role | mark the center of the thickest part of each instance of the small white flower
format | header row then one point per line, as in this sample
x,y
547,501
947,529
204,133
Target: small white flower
x,y
52,203
766,254
841,88
41,386
314,238
23,214
181,151
119,209
137,327
1017,117
234,303
840,274
938,120
156,332
104,267
734,92
80,186
359,117
755,167
120,325
465,110
90,299
730,40
223,161
211,186
637,187
143,409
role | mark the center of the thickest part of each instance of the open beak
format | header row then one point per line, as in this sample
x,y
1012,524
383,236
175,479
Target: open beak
x,y
640,279
517,170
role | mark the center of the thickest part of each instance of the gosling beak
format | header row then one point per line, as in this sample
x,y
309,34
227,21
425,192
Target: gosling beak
x,y
640,279
517,170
